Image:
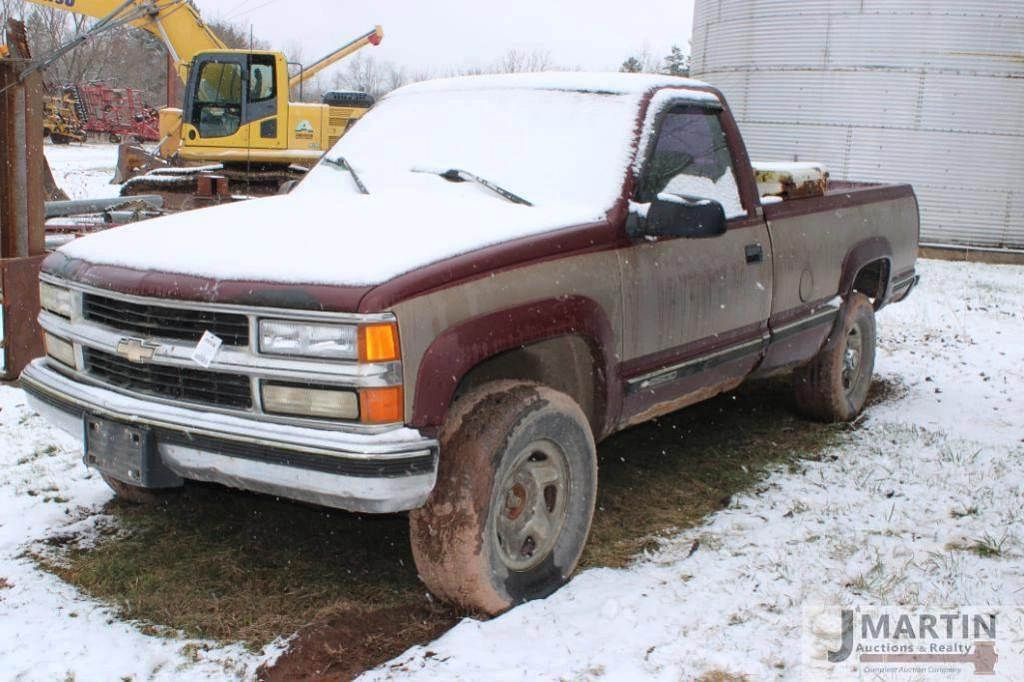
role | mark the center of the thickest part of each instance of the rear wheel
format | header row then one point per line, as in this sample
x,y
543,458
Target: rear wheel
x,y
834,385
136,495
512,507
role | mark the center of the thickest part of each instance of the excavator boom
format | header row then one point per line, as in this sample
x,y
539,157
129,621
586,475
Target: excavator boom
x,y
176,23
373,37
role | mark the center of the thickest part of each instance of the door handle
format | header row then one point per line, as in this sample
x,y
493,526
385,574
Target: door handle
x,y
755,254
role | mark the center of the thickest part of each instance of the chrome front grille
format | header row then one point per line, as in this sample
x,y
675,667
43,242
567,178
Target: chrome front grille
x,y
153,321
145,347
175,383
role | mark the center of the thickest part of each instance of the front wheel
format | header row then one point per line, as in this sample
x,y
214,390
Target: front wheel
x,y
834,385
512,507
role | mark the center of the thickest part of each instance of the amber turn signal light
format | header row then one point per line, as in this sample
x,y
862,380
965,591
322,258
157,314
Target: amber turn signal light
x,y
378,342
381,405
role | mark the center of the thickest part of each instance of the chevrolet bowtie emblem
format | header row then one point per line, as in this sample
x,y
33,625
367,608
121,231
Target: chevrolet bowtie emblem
x,y
137,350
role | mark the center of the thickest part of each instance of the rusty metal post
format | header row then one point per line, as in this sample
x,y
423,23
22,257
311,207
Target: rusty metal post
x,y
22,194
173,84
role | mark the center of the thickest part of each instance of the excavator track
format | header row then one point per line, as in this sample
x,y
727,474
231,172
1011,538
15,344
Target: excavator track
x,y
180,186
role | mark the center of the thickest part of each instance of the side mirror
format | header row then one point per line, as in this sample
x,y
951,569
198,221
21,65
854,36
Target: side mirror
x,y
679,215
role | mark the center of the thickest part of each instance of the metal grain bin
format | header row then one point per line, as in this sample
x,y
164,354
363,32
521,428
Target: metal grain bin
x,y
923,91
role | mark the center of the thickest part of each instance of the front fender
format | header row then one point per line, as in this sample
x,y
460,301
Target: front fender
x,y
459,349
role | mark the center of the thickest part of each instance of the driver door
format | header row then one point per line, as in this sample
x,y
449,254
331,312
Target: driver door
x,y
696,309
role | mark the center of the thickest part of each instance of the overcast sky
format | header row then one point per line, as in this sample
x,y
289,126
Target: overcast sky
x,y
591,34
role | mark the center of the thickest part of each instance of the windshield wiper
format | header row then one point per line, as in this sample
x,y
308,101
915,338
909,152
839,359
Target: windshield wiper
x,y
457,175
344,165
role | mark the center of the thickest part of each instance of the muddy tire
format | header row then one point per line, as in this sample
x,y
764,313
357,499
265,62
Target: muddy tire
x,y
834,385
136,495
514,499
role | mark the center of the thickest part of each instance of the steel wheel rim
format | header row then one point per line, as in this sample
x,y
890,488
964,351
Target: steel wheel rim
x,y
532,505
853,360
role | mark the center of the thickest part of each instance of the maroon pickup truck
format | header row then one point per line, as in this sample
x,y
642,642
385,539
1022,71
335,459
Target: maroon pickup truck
x,y
481,281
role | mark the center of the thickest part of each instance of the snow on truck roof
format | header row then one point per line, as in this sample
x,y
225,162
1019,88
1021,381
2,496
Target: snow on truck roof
x,y
578,81
562,141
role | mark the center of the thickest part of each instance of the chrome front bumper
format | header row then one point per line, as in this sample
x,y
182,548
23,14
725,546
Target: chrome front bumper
x,y
379,473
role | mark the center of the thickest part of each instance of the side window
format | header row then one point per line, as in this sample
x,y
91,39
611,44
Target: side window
x,y
691,157
261,81
262,88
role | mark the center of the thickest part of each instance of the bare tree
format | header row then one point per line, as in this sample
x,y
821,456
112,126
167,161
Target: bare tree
x,y
363,73
10,9
49,29
122,57
237,36
518,61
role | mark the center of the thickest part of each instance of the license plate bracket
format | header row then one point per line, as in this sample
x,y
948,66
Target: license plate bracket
x,y
126,452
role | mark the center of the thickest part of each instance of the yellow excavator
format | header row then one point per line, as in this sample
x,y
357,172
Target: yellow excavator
x,y
237,118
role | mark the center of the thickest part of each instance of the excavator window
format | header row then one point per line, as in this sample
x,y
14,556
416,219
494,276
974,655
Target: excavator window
x,y
262,88
261,82
217,104
220,83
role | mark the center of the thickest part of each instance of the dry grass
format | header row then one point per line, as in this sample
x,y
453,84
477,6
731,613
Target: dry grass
x,y
231,566
671,473
722,676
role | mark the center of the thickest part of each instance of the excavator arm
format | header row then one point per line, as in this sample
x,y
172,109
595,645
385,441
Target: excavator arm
x,y
176,23
373,37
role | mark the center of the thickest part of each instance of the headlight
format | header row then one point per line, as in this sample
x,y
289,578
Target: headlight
x,y
60,350
375,342
310,402
54,299
331,341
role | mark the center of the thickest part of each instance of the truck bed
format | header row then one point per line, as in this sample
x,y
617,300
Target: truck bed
x,y
838,194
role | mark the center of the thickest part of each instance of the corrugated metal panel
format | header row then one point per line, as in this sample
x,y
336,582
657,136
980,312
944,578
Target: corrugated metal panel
x,y
901,100
949,216
919,91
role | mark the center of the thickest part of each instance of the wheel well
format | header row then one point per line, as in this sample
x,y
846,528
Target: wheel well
x,y
872,280
564,363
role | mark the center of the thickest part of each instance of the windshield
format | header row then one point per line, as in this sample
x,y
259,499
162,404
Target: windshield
x,y
545,145
220,83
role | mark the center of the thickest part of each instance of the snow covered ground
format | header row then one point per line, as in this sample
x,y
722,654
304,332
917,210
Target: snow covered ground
x,y
888,517
47,630
84,171
886,520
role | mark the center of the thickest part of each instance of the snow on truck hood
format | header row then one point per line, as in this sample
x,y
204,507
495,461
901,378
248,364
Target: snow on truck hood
x,y
349,240
563,142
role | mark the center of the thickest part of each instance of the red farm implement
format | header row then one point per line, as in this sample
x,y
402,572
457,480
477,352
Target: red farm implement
x,y
119,113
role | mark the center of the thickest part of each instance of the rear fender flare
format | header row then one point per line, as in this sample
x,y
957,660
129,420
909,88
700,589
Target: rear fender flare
x,y
862,254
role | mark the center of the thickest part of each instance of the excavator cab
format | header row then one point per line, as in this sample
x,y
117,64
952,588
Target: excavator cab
x,y
234,100
236,111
